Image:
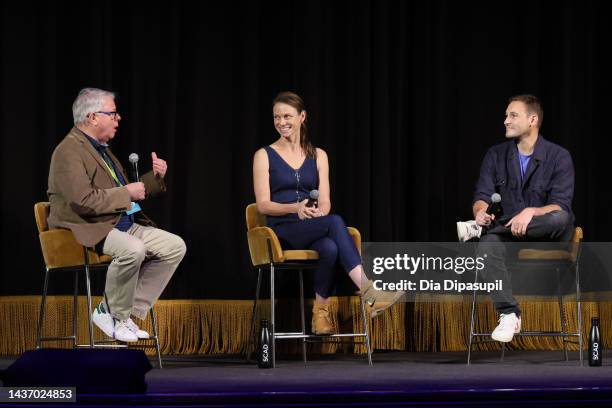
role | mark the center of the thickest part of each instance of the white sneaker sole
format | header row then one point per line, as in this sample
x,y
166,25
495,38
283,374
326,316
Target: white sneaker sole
x,y
505,339
127,340
502,339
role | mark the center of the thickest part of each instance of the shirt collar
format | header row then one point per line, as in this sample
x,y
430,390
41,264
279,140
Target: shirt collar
x,y
97,145
539,149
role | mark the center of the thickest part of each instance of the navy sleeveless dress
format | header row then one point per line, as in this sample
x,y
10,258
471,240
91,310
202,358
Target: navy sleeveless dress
x,y
327,235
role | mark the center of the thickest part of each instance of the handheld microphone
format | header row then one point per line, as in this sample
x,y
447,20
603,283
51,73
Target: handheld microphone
x,y
134,160
313,201
495,207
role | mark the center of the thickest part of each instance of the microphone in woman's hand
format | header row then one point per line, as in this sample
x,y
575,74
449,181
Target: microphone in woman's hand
x,y
313,201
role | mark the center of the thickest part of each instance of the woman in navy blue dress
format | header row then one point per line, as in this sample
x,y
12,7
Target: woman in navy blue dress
x,y
284,173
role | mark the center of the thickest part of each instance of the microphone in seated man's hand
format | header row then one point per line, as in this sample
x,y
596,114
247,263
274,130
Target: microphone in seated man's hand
x,y
495,207
313,201
470,230
133,158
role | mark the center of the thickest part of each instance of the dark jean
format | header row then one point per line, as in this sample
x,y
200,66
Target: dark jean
x,y
555,226
329,237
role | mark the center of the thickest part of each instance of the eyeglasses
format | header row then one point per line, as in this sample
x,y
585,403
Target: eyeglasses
x,y
113,115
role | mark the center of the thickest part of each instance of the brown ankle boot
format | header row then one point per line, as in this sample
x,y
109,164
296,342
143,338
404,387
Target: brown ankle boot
x,y
377,301
321,322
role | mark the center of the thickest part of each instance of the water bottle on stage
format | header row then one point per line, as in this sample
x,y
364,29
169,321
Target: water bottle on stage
x,y
595,346
264,356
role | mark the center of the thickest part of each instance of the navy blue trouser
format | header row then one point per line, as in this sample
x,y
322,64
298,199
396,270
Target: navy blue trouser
x,y
553,226
329,237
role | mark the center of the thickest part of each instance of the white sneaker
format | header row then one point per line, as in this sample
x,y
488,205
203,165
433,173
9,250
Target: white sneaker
x,y
467,230
141,334
123,332
509,325
103,319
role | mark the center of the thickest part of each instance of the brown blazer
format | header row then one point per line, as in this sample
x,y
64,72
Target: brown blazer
x,y
83,194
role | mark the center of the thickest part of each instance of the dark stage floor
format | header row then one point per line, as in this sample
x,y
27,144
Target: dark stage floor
x,y
396,379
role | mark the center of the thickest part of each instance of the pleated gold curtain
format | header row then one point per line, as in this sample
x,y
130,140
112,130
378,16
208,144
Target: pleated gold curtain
x,y
222,326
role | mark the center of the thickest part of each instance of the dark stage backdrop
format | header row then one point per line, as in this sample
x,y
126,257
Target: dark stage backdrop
x,y
404,96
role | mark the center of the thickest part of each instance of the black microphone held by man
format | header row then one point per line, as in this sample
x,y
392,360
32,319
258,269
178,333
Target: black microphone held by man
x,y
470,230
495,207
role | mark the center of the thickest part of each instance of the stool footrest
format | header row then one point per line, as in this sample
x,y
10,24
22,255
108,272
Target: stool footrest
x,y
57,338
281,336
546,334
533,333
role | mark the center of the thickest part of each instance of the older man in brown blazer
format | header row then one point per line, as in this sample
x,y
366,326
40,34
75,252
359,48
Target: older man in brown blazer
x,y
90,195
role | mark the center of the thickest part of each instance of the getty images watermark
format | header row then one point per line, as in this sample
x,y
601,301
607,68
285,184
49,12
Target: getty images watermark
x,y
452,268
428,268
422,264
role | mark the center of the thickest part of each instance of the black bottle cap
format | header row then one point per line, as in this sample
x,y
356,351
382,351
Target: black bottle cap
x,y
264,322
595,321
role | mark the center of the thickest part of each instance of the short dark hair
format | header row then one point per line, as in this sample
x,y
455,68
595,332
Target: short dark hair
x,y
533,106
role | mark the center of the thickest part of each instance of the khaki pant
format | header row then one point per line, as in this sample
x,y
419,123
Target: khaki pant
x,y
144,259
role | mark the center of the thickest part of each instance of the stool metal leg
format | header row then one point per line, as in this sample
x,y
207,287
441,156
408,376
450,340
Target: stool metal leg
x,y
303,318
472,321
272,315
251,343
564,338
75,308
156,337
41,315
366,328
89,308
579,311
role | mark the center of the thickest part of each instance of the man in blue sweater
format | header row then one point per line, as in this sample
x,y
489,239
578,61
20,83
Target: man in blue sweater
x,y
535,179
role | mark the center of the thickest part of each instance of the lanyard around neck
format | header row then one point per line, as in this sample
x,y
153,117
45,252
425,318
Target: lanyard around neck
x,y
110,168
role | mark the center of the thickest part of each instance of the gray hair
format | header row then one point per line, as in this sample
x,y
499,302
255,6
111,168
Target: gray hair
x,y
89,100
